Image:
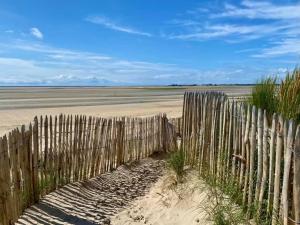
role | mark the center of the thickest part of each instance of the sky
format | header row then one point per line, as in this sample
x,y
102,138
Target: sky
x,y
146,42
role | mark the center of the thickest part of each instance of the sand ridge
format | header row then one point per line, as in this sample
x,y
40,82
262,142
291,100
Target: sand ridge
x,y
167,204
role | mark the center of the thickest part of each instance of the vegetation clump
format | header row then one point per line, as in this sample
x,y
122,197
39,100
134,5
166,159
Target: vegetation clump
x,y
282,97
289,96
176,163
224,198
264,95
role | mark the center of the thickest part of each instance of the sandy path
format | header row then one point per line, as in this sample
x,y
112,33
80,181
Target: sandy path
x,y
167,205
94,201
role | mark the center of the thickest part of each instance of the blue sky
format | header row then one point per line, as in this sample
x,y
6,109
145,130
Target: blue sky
x,y
139,42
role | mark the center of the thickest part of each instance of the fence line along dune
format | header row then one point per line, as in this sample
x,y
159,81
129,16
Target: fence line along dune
x,y
55,151
231,142
235,143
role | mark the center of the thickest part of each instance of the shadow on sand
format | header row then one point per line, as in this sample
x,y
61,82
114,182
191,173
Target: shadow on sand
x,y
96,200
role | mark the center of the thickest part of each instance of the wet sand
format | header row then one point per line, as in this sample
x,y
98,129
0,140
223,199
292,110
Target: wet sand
x,y
19,105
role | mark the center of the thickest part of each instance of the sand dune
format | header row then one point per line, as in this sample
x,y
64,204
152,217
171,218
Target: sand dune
x,y
165,205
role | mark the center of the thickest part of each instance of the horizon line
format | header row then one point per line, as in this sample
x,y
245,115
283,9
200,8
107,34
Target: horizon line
x,y
158,85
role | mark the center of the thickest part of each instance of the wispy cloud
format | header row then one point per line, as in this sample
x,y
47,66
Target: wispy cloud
x,y
185,22
281,21
261,10
278,26
104,21
36,33
243,32
9,31
285,47
54,53
56,66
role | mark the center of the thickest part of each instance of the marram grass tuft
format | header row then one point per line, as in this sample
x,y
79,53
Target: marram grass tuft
x,y
283,98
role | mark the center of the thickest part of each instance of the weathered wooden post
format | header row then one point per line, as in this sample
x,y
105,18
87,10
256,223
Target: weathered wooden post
x,y
279,149
35,139
251,160
271,162
120,138
296,187
286,174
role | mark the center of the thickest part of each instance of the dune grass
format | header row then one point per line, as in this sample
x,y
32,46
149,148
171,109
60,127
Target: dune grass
x,y
276,96
264,95
176,163
289,96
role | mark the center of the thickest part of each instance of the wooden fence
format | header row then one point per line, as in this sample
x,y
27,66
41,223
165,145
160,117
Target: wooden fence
x,y
177,125
234,142
54,151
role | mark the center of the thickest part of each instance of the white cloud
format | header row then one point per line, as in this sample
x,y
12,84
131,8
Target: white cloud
x,y
16,61
277,25
288,46
219,30
36,33
184,23
87,68
55,53
261,10
238,32
100,20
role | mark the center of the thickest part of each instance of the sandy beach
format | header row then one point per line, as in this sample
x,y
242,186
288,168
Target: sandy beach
x,y
142,200
19,105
